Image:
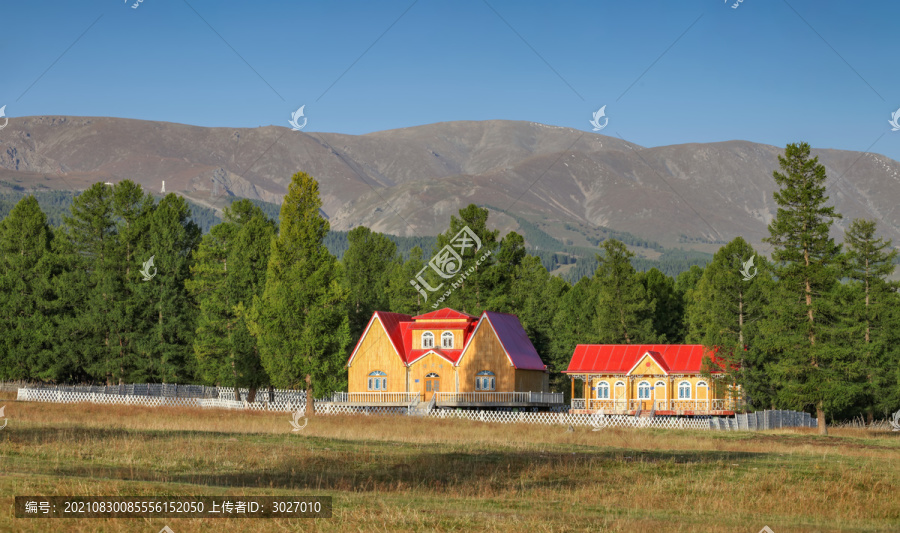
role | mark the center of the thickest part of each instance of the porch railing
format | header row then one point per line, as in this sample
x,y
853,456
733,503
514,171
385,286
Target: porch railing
x,y
500,397
608,405
375,397
657,405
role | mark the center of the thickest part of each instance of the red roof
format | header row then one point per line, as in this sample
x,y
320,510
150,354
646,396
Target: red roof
x,y
620,358
444,314
450,355
391,323
438,325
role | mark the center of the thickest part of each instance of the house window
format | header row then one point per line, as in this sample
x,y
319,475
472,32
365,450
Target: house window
x,y
446,340
377,381
428,340
603,390
684,390
484,380
644,390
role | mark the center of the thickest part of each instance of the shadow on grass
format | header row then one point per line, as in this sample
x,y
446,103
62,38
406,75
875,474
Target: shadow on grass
x,y
318,463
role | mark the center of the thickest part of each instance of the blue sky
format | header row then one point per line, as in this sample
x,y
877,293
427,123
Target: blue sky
x,y
668,71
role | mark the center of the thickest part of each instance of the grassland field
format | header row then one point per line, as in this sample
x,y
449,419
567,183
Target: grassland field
x,y
411,474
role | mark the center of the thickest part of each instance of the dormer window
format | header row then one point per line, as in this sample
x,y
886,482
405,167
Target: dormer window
x,y
428,340
446,340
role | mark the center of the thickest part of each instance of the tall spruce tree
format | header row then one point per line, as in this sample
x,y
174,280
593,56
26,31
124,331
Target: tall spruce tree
x,y
624,311
809,364
471,287
668,314
869,263
402,295
300,322
168,312
28,300
91,288
723,312
367,265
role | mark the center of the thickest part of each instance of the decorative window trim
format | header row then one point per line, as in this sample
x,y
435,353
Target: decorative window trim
x,y
430,336
681,387
377,381
603,385
447,335
647,388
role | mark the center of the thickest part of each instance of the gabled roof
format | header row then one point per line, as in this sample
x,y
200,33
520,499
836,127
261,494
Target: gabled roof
x,y
450,355
445,314
390,322
657,358
621,358
513,339
401,328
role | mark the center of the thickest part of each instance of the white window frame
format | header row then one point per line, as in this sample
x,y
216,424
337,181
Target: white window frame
x,y
430,336
377,381
598,387
647,388
681,388
447,335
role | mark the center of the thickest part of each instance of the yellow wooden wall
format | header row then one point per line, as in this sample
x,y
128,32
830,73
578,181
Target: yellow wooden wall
x,y
531,381
652,373
486,353
458,337
631,387
428,364
376,353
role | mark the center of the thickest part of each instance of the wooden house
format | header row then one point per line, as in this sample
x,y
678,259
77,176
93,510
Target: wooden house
x,y
662,379
448,359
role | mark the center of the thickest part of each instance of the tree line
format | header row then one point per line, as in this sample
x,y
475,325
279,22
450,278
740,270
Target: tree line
x,y
258,303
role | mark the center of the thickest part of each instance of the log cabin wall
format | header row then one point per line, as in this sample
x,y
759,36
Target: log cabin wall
x,y
376,353
486,353
531,381
432,363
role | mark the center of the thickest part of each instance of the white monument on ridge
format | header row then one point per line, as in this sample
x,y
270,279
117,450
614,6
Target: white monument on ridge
x,y
163,191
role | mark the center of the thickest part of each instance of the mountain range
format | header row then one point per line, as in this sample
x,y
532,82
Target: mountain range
x,y
409,181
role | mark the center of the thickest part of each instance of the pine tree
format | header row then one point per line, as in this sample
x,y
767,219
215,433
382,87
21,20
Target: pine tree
x,y
624,311
402,294
28,302
167,311
810,365
504,276
869,262
91,287
300,322
367,266
723,313
466,287
668,315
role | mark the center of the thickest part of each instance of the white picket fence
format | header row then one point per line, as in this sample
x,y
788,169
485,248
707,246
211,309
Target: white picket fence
x,y
326,408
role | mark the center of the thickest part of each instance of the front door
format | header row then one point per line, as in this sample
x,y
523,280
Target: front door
x,y
432,385
645,395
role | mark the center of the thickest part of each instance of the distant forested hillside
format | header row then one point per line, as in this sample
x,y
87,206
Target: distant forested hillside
x,y
570,262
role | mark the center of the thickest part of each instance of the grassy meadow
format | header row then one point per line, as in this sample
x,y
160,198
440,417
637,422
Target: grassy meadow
x,y
408,474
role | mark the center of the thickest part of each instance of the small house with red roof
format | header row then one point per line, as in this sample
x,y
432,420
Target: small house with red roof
x,y
647,379
447,359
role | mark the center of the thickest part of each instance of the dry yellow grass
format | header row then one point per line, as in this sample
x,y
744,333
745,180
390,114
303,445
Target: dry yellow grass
x,y
410,474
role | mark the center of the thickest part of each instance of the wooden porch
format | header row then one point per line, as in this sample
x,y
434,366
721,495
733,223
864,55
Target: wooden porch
x,y
450,399
498,399
711,407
